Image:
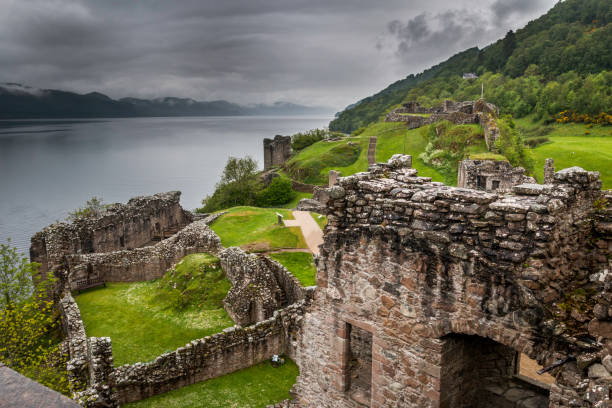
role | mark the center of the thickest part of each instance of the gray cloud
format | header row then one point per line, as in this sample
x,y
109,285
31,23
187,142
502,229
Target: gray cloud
x,y
505,9
307,51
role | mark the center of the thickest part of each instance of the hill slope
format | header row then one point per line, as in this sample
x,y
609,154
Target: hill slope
x,y
570,43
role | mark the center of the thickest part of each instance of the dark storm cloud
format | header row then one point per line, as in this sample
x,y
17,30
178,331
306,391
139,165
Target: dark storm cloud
x,y
307,51
435,36
504,9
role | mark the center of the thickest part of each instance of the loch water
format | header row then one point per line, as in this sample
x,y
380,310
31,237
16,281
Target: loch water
x,y
50,167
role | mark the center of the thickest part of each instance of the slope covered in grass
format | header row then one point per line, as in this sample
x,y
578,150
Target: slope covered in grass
x,y
309,165
253,387
143,324
300,264
257,229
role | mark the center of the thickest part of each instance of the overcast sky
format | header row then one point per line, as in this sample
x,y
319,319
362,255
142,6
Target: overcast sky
x,y
315,52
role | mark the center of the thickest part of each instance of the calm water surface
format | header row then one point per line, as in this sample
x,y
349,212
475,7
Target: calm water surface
x,y
50,167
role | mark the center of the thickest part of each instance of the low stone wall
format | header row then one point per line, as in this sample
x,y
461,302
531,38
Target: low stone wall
x,y
75,338
259,286
145,263
302,187
233,349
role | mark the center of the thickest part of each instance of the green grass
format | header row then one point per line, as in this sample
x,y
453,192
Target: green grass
x,y
391,138
311,165
569,146
588,152
140,324
253,387
320,219
256,229
300,264
296,199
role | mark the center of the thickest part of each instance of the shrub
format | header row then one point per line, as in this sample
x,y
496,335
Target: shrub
x,y
29,329
93,207
238,186
279,192
510,144
302,140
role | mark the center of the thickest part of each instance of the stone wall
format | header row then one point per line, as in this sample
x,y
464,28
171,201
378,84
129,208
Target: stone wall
x,y
260,286
233,349
120,226
276,151
146,263
417,263
490,175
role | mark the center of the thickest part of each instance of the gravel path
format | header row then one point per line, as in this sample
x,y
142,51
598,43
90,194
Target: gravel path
x,y
310,229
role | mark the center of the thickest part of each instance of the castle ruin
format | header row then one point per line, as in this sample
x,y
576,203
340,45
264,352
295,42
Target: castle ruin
x,y
276,151
491,175
428,294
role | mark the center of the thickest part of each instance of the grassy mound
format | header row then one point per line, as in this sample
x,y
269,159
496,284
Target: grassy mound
x,y
196,281
300,264
256,229
145,319
252,387
307,166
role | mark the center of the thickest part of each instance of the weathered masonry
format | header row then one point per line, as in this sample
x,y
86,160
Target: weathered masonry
x,y
427,293
491,175
276,151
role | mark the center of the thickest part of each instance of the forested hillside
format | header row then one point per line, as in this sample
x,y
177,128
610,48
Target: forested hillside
x,y
560,61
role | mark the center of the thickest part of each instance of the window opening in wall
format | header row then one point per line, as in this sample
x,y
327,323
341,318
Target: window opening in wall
x,y
481,182
122,241
494,185
360,365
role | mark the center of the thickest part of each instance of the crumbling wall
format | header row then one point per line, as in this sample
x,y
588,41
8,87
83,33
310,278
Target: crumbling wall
x,y
490,175
120,226
260,286
416,262
146,263
276,151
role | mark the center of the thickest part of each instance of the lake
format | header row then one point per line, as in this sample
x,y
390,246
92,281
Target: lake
x,y
51,167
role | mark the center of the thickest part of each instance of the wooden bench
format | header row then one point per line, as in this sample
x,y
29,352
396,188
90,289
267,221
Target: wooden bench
x,y
83,284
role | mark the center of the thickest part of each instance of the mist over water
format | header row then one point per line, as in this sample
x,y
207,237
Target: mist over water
x,y
50,167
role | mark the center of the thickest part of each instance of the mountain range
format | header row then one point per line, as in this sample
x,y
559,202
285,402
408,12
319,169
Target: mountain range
x,y
19,101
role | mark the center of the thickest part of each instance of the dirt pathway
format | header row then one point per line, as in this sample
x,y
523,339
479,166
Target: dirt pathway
x,y
310,229
372,150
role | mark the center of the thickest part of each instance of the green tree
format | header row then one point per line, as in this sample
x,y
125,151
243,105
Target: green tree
x,y
16,274
238,185
29,329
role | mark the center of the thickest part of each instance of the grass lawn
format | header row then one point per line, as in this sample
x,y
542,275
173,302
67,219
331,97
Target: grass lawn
x,y
570,145
588,152
256,229
141,328
252,387
320,219
300,264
